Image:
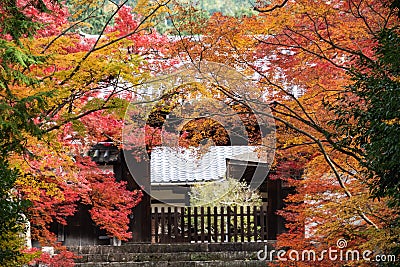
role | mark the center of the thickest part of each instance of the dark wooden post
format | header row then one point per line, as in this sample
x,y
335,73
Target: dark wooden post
x,y
140,225
156,225
275,203
182,214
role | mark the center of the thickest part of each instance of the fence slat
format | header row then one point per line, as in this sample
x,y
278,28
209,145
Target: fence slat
x,y
202,224
222,225
242,232
175,219
248,233
195,213
215,217
189,219
255,217
235,223
228,223
208,224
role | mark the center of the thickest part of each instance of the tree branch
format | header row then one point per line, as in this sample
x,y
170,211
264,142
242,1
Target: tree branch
x,y
262,10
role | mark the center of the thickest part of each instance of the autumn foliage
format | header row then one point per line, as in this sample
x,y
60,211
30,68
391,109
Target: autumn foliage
x,y
305,54
62,91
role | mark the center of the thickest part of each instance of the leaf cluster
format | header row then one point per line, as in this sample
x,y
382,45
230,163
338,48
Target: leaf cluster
x,y
12,220
375,109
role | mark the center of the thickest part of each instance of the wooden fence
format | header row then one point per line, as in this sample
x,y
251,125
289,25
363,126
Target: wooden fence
x,y
199,224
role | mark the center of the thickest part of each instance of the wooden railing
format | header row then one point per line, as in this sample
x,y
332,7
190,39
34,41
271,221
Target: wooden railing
x,y
199,224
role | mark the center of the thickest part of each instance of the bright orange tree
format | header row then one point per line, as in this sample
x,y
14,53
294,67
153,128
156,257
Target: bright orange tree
x,y
302,55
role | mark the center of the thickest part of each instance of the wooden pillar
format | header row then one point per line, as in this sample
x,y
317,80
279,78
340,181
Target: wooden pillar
x,y
275,203
140,224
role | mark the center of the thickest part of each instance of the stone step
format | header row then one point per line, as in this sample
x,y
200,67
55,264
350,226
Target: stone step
x,y
172,255
236,263
171,248
168,256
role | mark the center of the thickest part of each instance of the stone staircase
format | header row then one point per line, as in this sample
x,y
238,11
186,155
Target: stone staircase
x,y
179,255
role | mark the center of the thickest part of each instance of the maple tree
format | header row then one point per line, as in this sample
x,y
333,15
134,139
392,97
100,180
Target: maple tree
x,y
376,117
60,94
304,54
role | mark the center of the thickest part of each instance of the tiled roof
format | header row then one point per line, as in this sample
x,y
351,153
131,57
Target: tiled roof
x,y
169,166
104,153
